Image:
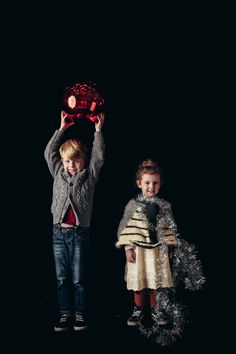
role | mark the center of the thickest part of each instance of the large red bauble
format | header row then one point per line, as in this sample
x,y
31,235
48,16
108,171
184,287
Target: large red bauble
x,y
83,100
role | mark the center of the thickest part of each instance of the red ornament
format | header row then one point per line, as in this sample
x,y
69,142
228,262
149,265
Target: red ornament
x,y
83,100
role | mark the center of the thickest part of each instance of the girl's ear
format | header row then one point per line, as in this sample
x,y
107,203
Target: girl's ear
x,y
138,183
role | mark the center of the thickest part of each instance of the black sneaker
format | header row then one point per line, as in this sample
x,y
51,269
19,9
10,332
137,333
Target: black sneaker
x,y
159,317
162,320
64,323
134,319
80,322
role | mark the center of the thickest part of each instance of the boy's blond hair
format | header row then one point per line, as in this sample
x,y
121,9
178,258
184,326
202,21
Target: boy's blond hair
x,y
73,149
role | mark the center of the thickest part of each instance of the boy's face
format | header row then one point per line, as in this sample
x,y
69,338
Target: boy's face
x,y
72,166
150,184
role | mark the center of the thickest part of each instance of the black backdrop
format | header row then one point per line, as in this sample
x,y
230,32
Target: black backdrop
x,y
163,99
172,125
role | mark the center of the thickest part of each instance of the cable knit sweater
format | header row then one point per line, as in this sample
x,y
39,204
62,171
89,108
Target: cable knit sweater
x,y
77,190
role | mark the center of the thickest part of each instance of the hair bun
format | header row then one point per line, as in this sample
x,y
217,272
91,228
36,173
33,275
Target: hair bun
x,y
149,163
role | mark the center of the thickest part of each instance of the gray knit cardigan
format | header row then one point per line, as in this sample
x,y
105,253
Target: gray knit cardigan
x,y
77,190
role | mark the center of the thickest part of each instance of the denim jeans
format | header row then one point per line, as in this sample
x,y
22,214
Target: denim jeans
x,y
71,251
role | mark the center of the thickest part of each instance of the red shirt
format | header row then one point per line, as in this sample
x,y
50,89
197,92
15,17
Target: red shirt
x,y
69,217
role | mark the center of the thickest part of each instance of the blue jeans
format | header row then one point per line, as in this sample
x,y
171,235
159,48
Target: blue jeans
x,y
71,251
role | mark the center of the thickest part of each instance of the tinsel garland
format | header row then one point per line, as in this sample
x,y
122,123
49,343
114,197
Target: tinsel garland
x,y
160,210
167,307
185,268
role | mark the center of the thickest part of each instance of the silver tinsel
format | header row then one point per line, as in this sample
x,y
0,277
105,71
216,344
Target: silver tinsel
x,y
167,307
186,267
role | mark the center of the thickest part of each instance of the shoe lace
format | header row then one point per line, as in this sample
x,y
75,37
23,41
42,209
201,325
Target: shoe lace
x,y
79,317
64,317
136,312
153,313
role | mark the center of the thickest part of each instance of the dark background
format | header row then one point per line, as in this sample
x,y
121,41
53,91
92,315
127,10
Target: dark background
x,y
173,125
164,89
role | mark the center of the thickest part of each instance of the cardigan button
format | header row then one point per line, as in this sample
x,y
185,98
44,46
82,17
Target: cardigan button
x,y
71,184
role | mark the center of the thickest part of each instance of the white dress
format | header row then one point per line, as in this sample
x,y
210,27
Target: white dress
x,y
152,267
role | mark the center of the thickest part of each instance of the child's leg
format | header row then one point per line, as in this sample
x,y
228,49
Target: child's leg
x,y
162,319
152,297
139,297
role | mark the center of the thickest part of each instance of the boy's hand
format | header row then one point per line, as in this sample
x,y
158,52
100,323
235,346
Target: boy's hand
x,y
66,122
99,122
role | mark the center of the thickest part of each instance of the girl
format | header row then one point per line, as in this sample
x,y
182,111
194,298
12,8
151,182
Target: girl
x,y
147,232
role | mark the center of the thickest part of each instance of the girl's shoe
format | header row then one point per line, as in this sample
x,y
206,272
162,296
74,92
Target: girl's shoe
x,y
159,318
134,319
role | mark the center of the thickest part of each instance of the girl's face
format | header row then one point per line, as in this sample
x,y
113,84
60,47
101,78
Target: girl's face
x,y
149,184
73,166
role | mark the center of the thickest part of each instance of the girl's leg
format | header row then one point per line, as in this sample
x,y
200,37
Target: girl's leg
x,y
152,297
139,297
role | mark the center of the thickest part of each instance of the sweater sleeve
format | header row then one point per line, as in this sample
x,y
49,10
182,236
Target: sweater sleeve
x,y
51,153
128,212
129,247
97,155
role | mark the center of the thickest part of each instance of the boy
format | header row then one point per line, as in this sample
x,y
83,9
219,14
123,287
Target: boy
x,y
73,191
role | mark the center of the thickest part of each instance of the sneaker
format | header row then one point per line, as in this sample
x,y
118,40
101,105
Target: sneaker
x,y
80,322
153,314
159,317
134,319
64,323
162,321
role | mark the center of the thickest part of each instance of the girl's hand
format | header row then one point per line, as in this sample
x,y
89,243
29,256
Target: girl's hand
x,y
66,122
130,255
99,122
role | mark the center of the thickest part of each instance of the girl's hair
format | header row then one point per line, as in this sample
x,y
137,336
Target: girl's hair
x,y
73,149
148,166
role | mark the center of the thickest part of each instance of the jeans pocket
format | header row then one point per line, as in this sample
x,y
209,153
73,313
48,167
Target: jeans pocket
x,y
55,231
